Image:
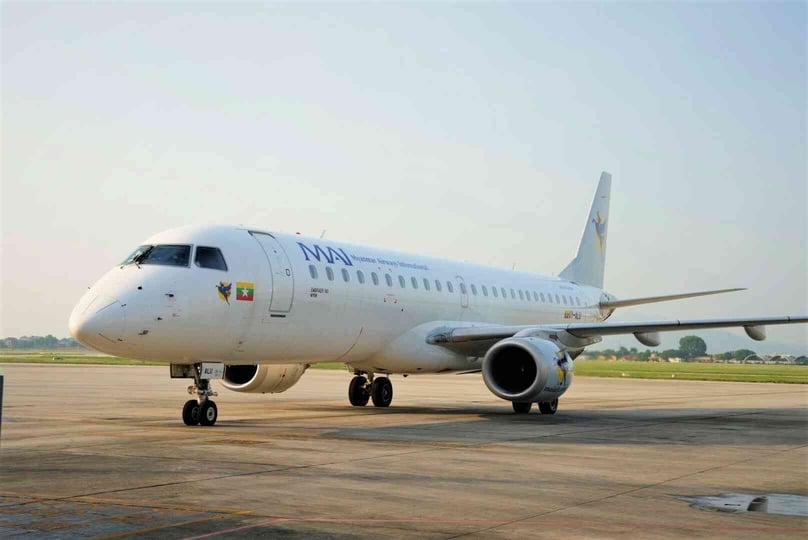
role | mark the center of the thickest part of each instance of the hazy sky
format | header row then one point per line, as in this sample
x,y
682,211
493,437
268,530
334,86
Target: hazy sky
x,y
468,131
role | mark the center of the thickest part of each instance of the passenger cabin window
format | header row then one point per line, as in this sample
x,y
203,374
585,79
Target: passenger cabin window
x,y
494,290
535,296
463,288
513,295
577,301
485,290
313,271
426,284
401,281
449,286
360,276
374,277
210,257
166,255
329,273
438,286
557,300
389,279
564,299
541,295
414,282
473,289
346,277
504,294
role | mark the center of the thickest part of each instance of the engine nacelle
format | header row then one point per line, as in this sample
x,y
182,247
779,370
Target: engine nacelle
x,y
527,369
263,378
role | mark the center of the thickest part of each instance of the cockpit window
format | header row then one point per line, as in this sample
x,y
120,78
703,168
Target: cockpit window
x,y
135,254
166,254
210,257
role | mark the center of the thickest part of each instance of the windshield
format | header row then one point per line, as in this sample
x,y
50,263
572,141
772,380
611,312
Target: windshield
x,y
165,254
135,254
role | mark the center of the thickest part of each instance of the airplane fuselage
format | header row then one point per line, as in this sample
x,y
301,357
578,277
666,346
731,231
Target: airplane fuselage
x,y
293,299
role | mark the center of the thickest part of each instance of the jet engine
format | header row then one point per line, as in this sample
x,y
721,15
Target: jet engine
x,y
263,378
526,369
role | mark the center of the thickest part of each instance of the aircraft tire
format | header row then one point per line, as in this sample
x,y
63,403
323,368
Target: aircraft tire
x,y
548,407
208,413
382,392
521,407
357,393
190,413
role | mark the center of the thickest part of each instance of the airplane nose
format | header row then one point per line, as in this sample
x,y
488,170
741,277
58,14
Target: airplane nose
x,y
100,323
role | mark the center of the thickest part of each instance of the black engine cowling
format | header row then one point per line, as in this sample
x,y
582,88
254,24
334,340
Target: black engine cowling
x,y
527,369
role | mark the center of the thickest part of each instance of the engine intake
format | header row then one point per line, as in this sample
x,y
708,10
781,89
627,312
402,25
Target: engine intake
x,y
527,369
263,378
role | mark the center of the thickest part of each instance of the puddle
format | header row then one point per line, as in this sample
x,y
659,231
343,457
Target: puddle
x,y
769,503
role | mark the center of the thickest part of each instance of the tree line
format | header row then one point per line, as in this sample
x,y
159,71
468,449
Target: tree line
x,y
690,347
39,342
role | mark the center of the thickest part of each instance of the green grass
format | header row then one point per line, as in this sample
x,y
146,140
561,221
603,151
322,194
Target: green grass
x,y
693,372
50,357
583,367
72,358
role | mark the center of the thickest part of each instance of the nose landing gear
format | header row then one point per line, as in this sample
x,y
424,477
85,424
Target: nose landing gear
x,y
202,410
363,389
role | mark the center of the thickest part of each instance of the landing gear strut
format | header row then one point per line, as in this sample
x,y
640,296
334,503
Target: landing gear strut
x,y
202,410
362,389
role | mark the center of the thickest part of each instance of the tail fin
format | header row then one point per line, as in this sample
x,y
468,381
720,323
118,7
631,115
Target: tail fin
x,y
588,265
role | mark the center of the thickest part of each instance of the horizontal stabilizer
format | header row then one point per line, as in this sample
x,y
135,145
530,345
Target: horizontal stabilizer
x,y
613,304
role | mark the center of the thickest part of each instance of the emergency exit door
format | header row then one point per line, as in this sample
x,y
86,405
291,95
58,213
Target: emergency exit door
x,y
283,282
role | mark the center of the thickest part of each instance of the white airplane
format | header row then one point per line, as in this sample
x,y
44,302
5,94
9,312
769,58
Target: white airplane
x,y
257,308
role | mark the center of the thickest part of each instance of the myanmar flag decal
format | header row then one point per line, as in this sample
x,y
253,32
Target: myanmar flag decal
x,y
245,291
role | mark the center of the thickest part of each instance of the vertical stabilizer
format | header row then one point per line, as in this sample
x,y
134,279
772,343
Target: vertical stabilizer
x,y
588,265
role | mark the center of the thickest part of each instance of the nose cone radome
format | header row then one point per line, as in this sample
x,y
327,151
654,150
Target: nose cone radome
x,y
98,322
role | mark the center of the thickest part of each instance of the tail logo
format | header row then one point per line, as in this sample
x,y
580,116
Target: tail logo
x,y
600,230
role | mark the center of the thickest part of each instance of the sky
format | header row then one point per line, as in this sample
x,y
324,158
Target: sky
x,y
471,131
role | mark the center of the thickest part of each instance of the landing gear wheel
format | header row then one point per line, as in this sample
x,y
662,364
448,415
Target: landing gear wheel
x,y
382,392
521,407
548,407
190,412
208,412
358,394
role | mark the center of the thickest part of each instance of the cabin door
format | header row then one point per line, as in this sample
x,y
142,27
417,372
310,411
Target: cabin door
x,y
464,292
280,269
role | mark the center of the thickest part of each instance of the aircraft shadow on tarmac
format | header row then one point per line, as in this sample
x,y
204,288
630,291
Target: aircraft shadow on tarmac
x,y
730,426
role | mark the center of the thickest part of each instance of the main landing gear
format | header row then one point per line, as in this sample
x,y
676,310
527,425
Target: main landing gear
x,y
202,410
363,389
545,407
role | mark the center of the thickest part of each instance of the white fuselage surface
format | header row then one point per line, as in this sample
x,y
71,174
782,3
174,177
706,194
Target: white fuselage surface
x,y
292,299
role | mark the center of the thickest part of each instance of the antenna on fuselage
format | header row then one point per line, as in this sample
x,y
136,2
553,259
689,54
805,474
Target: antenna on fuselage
x,y
322,234
513,266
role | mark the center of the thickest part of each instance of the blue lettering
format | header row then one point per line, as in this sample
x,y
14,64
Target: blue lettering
x,y
329,254
318,251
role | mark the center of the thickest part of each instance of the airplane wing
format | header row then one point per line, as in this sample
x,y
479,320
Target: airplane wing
x,y
475,340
